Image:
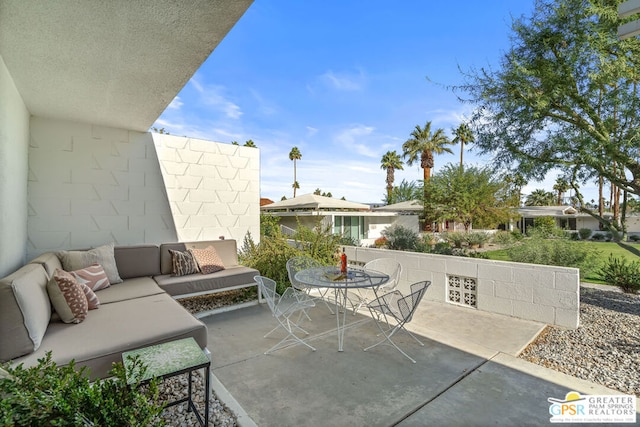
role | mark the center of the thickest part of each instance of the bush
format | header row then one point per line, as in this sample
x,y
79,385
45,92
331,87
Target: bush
x,y
560,252
598,236
544,227
477,238
380,242
618,272
503,238
401,238
517,235
634,237
47,394
584,233
456,238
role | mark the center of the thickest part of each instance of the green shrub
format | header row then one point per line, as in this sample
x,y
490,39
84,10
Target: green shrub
x,y
634,237
477,238
621,273
503,238
517,235
560,252
46,395
598,236
544,227
401,238
584,233
456,238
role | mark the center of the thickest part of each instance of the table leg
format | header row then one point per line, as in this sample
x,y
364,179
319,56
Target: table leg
x,y
341,303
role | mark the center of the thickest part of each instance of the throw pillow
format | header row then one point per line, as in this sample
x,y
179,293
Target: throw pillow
x,y
92,299
183,263
103,255
67,297
93,276
208,260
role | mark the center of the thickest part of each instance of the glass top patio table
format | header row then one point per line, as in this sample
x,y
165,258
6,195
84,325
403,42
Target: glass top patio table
x,y
331,277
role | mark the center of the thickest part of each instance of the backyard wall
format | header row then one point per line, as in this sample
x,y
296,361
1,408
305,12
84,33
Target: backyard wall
x,y
535,292
14,149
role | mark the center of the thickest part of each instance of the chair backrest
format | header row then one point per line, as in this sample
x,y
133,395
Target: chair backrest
x,y
407,305
387,266
268,289
297,264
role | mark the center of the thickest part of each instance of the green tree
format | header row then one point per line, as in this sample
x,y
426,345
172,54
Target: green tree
x,y
561,186
250,143
540,197
390,162
514,182
406,192
295,155
463,135
564,96
423,145
470,195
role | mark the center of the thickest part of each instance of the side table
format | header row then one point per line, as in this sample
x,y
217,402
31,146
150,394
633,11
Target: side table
x,y
170,359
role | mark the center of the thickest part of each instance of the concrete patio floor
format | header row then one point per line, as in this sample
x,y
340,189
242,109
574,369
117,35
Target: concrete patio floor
x,y
467,373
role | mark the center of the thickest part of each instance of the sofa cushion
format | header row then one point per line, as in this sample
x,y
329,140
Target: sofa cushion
x,y
137,287
227,251
93,276
196,283
116,328
92,299
103,255
207,259
67,297
49,261
25,311
183,263
137,260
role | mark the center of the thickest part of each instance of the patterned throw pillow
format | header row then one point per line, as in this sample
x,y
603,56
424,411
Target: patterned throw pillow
x,y
67,297
103,255
208,260
183,263
92,298
93,276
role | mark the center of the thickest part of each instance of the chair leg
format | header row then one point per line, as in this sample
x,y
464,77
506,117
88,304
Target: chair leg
x,y
288,326
387,338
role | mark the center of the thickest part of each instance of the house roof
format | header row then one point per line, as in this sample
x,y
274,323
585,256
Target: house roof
x,y
409,205
314,202
113,63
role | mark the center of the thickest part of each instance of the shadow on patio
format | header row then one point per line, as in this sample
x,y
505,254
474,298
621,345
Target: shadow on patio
x,y
466,374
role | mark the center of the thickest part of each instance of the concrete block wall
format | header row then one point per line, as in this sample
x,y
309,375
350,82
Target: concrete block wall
x,y
213,188
535,292
89,185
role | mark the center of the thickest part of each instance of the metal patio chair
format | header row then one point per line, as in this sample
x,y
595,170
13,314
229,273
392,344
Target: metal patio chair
x,y
399,309
388,266
299,263
283,307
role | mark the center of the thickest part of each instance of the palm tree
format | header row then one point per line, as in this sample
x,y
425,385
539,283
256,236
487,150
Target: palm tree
x,y
295,155
406,191
561,186
540,197
391,162
463,135
423,144
250,143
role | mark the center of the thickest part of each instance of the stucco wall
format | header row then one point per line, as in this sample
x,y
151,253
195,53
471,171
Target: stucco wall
x,y
213,188
535,292
14,148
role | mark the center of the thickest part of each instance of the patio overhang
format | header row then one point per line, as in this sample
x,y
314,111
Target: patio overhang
x,y
113,63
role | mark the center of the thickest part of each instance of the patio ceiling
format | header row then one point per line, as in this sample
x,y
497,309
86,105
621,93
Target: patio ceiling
x,y
113,63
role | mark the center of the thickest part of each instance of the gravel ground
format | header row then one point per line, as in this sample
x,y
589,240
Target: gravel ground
x,y
605,349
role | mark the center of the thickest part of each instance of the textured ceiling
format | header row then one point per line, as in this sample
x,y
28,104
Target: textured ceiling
x,y
114,63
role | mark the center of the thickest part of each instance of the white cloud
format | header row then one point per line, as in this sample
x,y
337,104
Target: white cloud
x,y
175,104
343,81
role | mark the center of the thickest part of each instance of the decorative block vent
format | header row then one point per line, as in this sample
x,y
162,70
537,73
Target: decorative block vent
x,y
462,290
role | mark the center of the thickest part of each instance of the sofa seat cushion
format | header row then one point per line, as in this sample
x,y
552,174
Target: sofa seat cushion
x,y
137,287
100,340
197,283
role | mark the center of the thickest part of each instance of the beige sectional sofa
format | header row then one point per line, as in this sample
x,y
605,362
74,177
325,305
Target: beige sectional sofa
x,y
138,312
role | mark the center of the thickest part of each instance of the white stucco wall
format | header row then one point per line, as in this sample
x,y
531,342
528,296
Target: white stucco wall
x,y
14,148
213,188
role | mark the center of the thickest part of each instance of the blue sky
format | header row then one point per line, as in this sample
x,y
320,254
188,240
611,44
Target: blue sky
x,y
345,82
